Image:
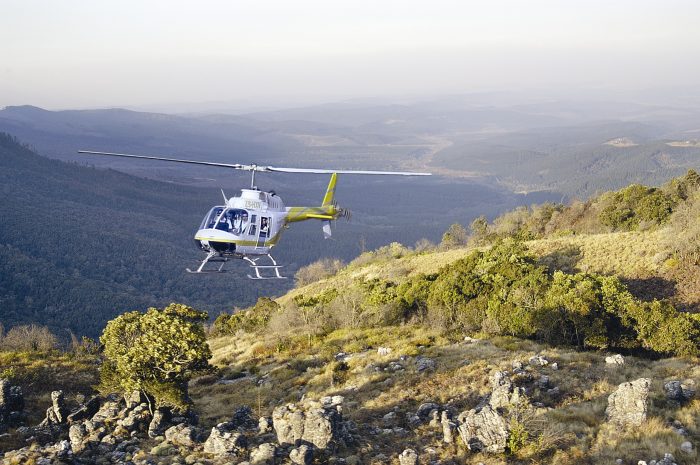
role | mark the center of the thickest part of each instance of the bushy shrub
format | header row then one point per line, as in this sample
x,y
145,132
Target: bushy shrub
x,y
626,208
455,236
318,270
248,320
661,328
156,352
25,338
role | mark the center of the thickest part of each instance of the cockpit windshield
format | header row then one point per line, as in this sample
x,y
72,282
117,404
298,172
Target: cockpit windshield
x,y
233,220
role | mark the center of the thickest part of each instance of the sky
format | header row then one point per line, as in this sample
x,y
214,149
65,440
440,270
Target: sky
x,y
155,53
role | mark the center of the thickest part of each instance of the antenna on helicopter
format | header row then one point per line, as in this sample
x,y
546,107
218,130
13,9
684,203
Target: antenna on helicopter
x,y
224,195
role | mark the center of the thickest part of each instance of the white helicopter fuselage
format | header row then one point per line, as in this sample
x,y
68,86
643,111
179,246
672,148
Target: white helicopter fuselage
x,y
250,224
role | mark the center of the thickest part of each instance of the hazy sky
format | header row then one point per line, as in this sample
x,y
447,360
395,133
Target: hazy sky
x,y
81,53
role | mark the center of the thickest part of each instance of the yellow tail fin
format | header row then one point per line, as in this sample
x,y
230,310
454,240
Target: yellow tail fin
x,y
330,192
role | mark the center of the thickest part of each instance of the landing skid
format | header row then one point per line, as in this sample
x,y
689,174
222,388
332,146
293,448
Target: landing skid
x,y
211,258
257,268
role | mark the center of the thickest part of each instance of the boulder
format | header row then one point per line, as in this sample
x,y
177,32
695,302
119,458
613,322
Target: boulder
x,y
223,441
425,364
678,391
323,427
425,409
302,455
615,360
538,360
243,418
408,457
181,435
483,430
134,399
264,425
628,404
687,447
108,411
264,454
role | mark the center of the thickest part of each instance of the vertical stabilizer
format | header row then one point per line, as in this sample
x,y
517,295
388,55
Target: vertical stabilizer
x,y
330,192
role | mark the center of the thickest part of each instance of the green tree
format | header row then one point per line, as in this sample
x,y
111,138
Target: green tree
x,y
455,236
155,352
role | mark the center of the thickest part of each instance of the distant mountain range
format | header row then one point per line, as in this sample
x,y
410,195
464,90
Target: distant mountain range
x,y
558,146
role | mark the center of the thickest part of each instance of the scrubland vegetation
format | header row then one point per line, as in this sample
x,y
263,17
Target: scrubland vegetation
x,y
570,284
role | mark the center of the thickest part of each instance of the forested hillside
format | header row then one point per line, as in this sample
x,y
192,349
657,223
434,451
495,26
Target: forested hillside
x,y
80,244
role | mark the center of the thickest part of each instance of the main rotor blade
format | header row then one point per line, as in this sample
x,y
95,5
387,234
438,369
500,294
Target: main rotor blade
x,y
193,162
238,166
320,171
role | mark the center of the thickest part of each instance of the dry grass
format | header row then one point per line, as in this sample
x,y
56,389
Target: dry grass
x,y
570,429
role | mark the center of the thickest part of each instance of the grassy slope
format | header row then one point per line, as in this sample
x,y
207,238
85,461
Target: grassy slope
x,y
630,255
272,373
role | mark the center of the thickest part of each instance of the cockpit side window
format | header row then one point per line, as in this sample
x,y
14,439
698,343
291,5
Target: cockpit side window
x,y
209,221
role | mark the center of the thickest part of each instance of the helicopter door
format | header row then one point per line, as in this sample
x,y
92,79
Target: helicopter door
x,y
265,225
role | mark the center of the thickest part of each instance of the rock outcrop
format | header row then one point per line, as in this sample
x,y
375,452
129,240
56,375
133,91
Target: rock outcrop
x,y
628,404
483,430
57,414
321,426
505,394
11,402
223,440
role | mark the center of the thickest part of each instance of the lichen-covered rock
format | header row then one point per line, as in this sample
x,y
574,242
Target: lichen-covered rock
x,y
628,404
408,457
78,436
181,435
483,430
224,441
302,455
264,454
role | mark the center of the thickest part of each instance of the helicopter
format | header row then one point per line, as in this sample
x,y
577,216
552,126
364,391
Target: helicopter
x,y
249,225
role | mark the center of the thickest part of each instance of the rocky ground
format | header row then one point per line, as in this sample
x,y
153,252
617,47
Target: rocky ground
x,y
445,402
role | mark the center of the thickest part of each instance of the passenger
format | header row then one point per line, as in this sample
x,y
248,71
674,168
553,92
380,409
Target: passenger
x,y
264,227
